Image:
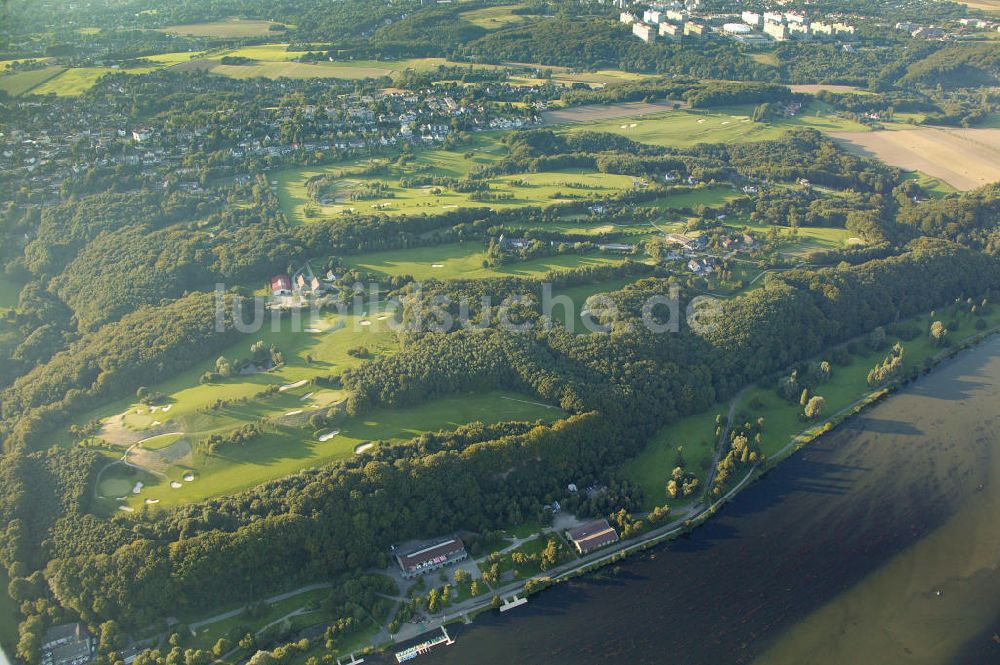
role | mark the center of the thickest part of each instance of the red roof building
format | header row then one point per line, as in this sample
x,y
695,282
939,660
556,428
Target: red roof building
x,y
592,536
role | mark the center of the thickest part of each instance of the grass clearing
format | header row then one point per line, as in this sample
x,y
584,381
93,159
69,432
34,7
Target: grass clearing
x,y
23,82
10,291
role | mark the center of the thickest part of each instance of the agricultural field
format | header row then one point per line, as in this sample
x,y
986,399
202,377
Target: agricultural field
x,y
24,82
466,261
230,28
963,158
198,475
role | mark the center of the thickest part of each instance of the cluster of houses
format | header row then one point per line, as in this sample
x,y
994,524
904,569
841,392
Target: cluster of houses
x,y
944,33
674,20
289,291
45,143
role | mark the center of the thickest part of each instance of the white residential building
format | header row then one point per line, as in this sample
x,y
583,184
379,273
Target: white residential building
x,y
646,33
652,16
776,31
752,19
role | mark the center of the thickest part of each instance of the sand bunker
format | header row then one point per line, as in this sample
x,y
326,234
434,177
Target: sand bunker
x,y
127,509
289,386
155,423
175,485
701,121
312,330
383,317
188,477
366,323
437,265
294,413
167,407
362,448
150,502
137,488
306,396
326,436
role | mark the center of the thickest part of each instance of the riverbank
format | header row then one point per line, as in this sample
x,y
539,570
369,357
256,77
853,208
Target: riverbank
x,y
923,362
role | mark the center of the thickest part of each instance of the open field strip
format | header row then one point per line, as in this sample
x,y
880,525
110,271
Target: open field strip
x,y
963,158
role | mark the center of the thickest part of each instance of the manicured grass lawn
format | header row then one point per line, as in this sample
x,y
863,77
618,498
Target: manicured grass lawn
x,y
688,127
527,189
290,449
234,27
466,261
189,400
23,82
933,186
708,196
162,441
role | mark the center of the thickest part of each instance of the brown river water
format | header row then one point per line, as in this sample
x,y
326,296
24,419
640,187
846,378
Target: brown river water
x,y
877,544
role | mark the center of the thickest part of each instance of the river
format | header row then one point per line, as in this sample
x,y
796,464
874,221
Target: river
x,y
879,543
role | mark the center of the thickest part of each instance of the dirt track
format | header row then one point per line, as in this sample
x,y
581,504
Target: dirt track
x,y
964,158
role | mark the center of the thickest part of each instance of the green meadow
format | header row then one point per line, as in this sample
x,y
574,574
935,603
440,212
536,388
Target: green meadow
x,y
9,615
